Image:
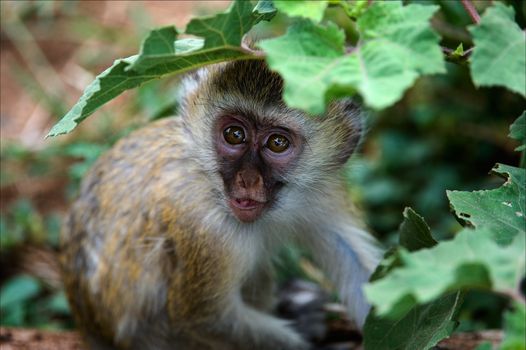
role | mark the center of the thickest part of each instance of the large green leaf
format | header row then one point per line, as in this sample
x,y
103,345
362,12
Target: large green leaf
x,y
396,46
421,328
471,260
424,325
220,40
499,56
503,210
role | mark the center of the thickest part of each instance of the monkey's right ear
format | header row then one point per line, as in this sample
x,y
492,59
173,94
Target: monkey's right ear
x,y
189,85
351,130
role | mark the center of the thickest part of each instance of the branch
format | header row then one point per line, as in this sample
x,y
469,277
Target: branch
x,y
471,10
449,31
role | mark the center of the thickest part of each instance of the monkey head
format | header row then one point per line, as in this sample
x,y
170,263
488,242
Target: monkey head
x,y
262,156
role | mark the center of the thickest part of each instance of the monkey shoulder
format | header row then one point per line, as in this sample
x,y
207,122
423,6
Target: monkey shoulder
x,y
124,197
116,248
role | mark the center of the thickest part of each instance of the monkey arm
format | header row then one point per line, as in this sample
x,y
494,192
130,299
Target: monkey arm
x,y
258,289
349,255
206,293
243,327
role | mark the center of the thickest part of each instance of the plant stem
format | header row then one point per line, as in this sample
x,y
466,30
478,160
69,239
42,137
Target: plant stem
x,y
471,10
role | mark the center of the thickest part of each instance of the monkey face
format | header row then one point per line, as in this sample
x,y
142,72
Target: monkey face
x,y
253,158
261,155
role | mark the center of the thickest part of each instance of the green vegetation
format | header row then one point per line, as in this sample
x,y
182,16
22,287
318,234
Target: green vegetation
x,y
443,93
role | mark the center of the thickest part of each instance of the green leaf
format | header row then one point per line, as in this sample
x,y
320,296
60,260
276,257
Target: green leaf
x,y
396,46
421,328
312,10
186,46
159,42
58,303
106,86
424,325
471,260
459,51
518,131
14,316
502,210
354,9
515,328
389,261
220,40
499,56
17,290
301,56
265,7
227,29
414,232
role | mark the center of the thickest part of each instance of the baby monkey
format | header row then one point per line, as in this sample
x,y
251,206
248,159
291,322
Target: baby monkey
x,y
169,245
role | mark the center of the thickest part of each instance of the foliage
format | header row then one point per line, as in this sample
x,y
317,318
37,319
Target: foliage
x,y
161,55
414,232
501,210
515,328
24,223
21,304
420,328
384,53
19,289
304,8
498,56
517,131
12,296
491,256
471,260
396,46
424,325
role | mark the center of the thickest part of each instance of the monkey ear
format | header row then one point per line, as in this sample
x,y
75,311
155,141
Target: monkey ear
x,y
351,129
189,85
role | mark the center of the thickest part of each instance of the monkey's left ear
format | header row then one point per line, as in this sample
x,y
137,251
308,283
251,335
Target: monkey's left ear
x,y
351,128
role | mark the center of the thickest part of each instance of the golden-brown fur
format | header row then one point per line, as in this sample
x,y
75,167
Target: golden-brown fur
x,y
152,257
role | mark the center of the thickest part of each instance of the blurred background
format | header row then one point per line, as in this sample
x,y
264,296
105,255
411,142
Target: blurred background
x,y
444,134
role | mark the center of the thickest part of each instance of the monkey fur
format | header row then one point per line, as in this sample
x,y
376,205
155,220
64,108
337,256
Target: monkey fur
x,y
169,244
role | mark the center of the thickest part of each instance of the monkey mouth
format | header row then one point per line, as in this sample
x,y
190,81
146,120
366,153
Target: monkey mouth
x,y
246,209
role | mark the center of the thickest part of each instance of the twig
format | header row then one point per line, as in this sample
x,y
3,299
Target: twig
x,y
471,10
450,31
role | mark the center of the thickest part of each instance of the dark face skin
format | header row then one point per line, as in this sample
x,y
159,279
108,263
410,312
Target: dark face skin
x,y
253,159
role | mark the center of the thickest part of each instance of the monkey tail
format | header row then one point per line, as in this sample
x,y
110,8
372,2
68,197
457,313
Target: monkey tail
x,y
41,263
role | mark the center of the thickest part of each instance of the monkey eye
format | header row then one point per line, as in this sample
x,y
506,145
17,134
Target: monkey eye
x,y
234,135
277,143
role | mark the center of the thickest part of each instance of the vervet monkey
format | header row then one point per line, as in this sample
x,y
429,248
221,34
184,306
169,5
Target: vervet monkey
x,y
169,245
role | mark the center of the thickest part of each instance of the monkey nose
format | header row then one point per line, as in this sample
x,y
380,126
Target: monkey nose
x,y
249,178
